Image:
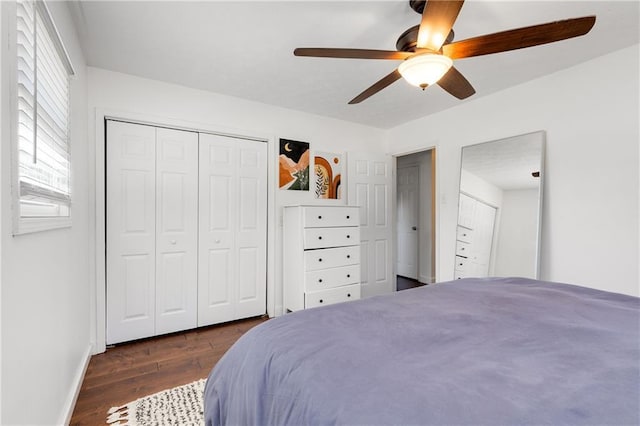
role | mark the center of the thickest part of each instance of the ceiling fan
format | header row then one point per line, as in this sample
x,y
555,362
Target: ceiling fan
x,y
428,49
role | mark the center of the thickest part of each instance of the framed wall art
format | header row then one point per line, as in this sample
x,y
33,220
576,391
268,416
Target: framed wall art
x,y
293,165
328,175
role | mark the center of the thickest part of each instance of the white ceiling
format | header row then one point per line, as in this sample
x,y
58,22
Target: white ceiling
x,y
245,49
506,163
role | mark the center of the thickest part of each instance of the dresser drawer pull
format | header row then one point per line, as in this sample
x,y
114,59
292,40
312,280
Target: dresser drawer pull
x,y
320,260
320,237
348,236
348,294
319,217
320,300
320,280
348,256
348,216
348,275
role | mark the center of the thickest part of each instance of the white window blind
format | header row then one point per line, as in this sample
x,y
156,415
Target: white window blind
x,y
43,114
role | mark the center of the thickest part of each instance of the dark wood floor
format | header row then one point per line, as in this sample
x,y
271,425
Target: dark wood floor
x,y
404,283
129,371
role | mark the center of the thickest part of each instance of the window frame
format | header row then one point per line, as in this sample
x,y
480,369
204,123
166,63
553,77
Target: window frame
x,y
29,224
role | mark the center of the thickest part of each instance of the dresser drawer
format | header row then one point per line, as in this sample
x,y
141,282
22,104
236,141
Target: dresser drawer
x,y
461,263
463,249
331,237
332,277
334,295
464,234
319,217
331,257
458,275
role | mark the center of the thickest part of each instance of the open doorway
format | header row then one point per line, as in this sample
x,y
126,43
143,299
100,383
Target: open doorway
x,y
415,219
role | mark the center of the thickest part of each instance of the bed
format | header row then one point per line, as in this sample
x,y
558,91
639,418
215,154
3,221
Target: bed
x,y
506,351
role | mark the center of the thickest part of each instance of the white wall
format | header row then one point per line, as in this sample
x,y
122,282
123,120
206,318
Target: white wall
x,y
45,292
127,96
518,230
590,206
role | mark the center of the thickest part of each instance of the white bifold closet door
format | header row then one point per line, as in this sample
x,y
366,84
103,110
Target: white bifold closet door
x,y
233,229
152,207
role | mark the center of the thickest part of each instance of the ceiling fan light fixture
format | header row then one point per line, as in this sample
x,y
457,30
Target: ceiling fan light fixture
x,y
425,69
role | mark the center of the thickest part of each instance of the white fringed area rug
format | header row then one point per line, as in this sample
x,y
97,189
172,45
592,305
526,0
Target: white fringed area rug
x,y
182,405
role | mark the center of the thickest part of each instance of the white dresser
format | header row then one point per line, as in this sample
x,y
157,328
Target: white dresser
x,y
321,262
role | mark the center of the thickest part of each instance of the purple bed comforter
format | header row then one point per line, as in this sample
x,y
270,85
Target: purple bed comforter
x,y
506,351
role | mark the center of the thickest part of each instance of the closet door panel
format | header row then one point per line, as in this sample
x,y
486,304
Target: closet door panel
x,y
483,228
217,264
176,230
130,218
232,218
216,300
247,275
252,228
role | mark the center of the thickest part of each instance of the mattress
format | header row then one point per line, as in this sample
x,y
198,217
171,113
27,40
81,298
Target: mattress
x,y
487,351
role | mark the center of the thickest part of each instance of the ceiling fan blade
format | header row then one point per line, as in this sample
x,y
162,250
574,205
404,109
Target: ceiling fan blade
x,y
320,52
378,86
519,38
438,17
456,84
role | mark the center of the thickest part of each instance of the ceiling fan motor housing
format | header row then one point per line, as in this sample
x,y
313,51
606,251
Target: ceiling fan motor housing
x,y
417,5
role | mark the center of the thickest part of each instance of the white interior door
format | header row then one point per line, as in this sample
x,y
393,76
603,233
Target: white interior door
x,y
370,187
176,230
131,234
407,221
233,219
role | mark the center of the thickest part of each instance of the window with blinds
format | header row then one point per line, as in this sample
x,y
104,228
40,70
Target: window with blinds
x,y
43,71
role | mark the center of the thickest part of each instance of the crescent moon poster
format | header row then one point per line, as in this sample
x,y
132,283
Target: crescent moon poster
x,y
293,163
328,173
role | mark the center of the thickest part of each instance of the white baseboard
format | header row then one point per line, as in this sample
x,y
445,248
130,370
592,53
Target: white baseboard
x,y
76,384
